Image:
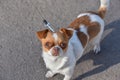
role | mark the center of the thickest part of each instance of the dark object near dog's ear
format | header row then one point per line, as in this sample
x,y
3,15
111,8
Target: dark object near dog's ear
x,y
66,32
42,34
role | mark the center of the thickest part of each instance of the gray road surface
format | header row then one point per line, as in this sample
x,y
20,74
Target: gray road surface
x,y
20,49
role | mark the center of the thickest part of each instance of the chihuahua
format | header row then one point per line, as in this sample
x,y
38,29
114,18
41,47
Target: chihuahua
x,y
62,49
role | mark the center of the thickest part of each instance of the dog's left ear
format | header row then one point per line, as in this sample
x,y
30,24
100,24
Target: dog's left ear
x,y
42,34
66,32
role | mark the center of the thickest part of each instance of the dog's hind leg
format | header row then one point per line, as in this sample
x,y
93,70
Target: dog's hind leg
x,y
96,44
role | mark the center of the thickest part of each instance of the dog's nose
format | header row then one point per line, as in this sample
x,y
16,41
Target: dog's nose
x,y
55,51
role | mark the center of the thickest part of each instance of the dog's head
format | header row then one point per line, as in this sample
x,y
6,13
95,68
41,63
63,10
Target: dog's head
x,y
55,43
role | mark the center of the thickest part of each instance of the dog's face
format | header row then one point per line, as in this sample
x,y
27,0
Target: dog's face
x,y
55,44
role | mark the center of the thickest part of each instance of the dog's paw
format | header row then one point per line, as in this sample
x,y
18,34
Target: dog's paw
x,y
96,49
49,74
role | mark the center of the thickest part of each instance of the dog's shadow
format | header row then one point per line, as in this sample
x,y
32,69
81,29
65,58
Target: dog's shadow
x,y
110,51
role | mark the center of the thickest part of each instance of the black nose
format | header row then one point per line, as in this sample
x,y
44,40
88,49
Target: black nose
x,y
56,49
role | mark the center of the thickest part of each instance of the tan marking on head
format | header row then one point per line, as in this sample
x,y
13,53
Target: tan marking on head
x,y
63,38
50,39
93,28
48,42
45,36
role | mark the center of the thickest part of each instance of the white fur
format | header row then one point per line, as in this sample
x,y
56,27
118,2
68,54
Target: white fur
x,y
55,36
77,46
80,15
104,3
83,29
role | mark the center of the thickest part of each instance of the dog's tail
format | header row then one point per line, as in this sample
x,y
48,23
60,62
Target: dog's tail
x,y
104,5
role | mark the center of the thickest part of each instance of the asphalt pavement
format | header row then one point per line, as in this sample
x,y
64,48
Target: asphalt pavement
x,y
20,50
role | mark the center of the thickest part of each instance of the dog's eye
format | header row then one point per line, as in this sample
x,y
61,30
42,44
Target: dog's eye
x,y
49,44
63,45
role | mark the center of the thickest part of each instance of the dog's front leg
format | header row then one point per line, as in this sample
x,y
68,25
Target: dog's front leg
x,y
67,77
68,74
50,74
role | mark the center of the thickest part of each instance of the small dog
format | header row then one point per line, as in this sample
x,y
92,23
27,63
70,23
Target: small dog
x,y
63,48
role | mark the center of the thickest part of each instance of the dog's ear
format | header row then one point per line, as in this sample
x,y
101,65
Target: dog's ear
x,y
42,34
66,32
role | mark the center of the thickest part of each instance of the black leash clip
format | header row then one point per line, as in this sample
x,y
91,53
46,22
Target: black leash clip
x,y
47,24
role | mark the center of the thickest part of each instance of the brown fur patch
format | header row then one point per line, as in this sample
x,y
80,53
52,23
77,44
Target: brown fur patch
x,y
42,34
93,28
62,41
49,39
102,11
67,33
78,21
83,38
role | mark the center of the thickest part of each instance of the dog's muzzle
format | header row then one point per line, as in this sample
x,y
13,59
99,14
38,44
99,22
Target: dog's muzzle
x,y
55,51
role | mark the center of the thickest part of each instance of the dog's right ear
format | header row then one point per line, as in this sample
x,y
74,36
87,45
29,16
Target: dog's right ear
x,y
42,34
66,32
